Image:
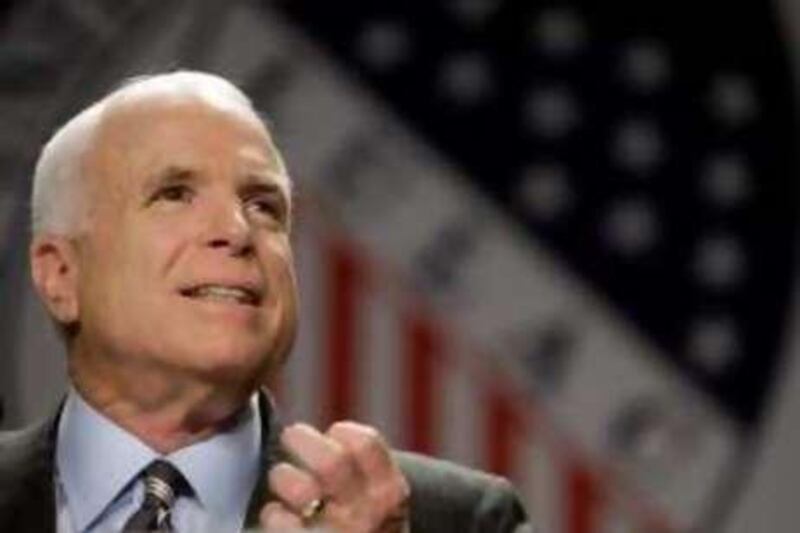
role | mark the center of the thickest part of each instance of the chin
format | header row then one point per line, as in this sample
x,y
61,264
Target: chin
x,y
229,362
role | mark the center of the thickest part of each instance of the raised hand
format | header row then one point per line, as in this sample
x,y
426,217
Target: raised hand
x,y
344,481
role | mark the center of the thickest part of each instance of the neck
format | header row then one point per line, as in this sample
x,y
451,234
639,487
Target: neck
x,y
165,414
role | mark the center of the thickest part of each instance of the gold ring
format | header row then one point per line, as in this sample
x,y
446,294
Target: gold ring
x,y
312,510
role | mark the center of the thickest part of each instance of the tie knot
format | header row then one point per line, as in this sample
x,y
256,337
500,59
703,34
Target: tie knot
x,y
163,482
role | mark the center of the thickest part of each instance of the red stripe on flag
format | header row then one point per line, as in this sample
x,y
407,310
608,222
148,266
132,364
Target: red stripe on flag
x,y
342,289
422,352
582,499
502,431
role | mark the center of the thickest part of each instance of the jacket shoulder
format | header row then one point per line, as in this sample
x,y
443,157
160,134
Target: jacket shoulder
x,y
26,479
21,448
449,497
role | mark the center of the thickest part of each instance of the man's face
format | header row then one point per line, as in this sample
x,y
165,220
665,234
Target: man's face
x,y
185,265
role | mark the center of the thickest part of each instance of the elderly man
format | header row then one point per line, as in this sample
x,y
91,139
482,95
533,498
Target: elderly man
x,y
161,222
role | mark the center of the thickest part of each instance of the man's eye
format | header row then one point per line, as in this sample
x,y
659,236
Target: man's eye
x,y
263,206
174,193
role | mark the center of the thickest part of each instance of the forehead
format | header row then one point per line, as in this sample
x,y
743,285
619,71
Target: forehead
x,y
145,137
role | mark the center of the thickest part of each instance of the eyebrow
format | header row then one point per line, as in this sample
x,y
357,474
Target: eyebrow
x,y
170,175
267,182
269,187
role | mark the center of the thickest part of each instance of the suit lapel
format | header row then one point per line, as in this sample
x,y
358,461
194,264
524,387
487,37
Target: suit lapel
x,y
271,453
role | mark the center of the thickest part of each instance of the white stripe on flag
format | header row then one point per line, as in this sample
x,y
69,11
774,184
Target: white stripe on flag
x,y
380,371
541,485
459,394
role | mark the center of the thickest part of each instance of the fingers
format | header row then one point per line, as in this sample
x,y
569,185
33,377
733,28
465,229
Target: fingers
x,y
295,487
275,517
366,446
371,454
335,470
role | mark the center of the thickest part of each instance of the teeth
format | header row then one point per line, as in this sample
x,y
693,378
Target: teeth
x,y
218,292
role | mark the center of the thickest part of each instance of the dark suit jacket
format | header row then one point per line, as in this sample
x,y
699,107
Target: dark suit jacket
x,y
444,497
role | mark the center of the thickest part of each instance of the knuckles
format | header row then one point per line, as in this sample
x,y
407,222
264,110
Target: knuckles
x,y
336,468
298,493
294,486
360,440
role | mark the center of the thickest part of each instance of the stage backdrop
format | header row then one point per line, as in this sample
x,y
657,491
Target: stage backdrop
x,y
553,240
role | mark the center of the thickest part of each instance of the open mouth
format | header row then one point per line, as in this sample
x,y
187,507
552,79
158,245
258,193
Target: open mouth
x,y
223,293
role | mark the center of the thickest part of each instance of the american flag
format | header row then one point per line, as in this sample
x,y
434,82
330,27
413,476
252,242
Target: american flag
x,y
648,145
648,150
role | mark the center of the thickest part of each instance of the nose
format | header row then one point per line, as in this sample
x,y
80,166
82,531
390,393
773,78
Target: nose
x,y
229,229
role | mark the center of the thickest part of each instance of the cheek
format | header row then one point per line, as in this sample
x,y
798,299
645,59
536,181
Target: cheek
x,y
282,315
136,266
154,254
278,264
163,244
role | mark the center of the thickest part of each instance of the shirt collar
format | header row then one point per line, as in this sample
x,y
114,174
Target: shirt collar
x,y
230,459
96,460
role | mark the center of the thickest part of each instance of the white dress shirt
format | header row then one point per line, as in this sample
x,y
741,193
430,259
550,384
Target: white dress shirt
x,y
98,464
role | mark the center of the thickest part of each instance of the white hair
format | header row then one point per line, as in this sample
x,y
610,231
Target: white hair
x,y
58,199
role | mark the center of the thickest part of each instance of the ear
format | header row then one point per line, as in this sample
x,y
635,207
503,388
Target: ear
x,y
54,269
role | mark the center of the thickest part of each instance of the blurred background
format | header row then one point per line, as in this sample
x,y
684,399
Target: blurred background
x,y
555,240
